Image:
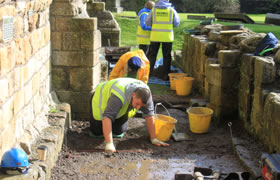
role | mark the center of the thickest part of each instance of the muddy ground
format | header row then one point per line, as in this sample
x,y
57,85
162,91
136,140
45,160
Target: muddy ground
x,y
83,157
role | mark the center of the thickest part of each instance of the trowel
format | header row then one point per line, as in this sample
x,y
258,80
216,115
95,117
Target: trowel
x,y
178,136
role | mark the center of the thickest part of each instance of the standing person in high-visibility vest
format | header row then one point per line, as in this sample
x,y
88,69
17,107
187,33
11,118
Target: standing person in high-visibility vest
x,y
162,18
143,31
113,102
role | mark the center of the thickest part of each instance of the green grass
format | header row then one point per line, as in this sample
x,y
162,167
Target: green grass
x,y
129,27
128,30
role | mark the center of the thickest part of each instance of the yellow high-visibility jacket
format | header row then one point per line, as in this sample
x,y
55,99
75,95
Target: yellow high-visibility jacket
x,y
117,87
121,67
143,36
162,27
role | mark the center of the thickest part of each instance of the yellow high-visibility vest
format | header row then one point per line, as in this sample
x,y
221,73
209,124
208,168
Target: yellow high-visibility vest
x,y
105,90
162,26
143,36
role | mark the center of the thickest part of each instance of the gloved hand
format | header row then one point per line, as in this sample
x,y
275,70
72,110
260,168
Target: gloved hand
x,y
157,142
110,147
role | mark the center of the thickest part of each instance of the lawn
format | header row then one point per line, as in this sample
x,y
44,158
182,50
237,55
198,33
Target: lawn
x,y
128,24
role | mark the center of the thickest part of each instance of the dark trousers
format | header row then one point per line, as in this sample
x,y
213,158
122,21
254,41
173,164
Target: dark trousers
x,y
166,52
145,48
119,125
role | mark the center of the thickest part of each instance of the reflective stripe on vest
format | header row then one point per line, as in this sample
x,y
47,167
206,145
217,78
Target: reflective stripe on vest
x,y
162,27
103,93
143,36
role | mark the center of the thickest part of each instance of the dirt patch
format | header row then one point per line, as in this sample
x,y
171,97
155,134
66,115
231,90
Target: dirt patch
x,y
83,158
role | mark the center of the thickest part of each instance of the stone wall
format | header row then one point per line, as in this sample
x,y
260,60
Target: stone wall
x,y
24,71
109,27
76,68
237,84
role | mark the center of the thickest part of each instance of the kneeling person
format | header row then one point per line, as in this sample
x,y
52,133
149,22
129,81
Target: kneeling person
x,y
114,102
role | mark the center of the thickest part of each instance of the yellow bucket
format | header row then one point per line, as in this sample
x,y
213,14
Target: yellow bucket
x,y
199,118
172,77
183,86
164,126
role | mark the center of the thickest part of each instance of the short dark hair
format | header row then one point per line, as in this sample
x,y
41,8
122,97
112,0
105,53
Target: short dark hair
x,y
143,94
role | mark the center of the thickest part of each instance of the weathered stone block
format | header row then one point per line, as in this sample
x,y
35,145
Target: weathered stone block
x,y
7,113
214,36
4,89
247,65
60,78
102,14
265,70
272,120
11,52
107,23
71,41
62,9
42,19
84,79
95,6
220,46
35,38
112,36
271,18
37,105
85,24
65,24
257,108
7,136
104,70
225,39
81,108
72,58
277,57
19,51
27,48
210,49
229,58
27,92
36,80
18,101
32,21
56,40
246,84
91,40
74,97
18,26
3,61
223,77
244,106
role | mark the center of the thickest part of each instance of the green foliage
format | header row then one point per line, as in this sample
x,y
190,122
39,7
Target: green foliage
x,y
135,5
275,6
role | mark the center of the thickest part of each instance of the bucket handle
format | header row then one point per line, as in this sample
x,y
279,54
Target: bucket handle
x,y
163,107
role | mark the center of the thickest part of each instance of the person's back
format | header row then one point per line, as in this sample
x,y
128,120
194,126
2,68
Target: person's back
x,y
162,18
136,61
